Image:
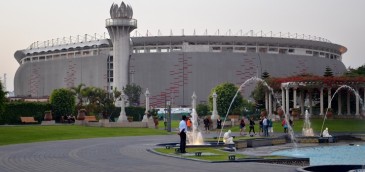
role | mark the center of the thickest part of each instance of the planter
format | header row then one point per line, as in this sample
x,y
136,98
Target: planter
x,y
81,114
47,116
130,118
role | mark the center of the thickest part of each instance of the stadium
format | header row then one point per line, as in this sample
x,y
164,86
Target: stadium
x,y
171,67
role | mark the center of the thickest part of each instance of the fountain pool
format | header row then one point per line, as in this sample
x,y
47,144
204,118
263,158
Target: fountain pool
x,y
329,155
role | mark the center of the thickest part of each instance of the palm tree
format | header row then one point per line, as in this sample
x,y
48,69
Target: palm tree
x,y
78,90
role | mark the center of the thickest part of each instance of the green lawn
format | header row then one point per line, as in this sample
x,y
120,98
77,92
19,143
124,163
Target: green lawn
x,y
37,133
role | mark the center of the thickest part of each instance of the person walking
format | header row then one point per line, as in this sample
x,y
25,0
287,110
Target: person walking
x,y
252,126
242,126
219,124
206,124
182,132
265,125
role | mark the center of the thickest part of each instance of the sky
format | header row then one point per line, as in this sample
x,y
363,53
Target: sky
x,y
23,22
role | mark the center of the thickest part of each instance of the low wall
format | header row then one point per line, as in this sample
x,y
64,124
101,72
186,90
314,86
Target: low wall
x,y
106,123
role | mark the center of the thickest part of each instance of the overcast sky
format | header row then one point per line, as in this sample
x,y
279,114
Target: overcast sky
x,y
26,21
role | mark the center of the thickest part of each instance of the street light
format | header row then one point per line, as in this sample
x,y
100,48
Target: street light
x,y
168,103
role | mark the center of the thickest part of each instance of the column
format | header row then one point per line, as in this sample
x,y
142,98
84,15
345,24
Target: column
x,y
215,111
321,101
282,99
147,94
270,105
339,103
294,97
348,103
310,102
357,102
302,103
287,100
266,101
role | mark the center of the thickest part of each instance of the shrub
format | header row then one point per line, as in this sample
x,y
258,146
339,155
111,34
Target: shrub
x,y
14,110
62,102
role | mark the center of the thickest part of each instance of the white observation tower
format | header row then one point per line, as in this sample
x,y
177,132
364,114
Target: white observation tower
x,y
119,26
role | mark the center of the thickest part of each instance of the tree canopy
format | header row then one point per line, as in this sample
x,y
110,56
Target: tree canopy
x,y
2,98
62,102
225,93
133,92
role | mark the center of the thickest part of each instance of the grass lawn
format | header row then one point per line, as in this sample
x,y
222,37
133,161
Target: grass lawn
x,y
219,155
37,133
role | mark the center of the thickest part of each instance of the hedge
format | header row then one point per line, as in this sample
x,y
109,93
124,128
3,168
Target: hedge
x,y
15,110
136,112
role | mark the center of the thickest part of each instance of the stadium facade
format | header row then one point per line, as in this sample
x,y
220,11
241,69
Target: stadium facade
x,y
171,67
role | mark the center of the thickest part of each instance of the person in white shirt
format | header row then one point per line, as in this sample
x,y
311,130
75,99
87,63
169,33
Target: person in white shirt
x,y
266,127
182,132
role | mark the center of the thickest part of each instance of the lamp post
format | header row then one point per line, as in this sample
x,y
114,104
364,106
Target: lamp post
x,y
168,103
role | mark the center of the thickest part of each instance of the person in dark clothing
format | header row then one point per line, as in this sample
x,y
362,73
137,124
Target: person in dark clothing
x,y
252,125
206,124
182,132
219,124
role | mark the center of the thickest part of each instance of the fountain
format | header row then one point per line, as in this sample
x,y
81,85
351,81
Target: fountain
x,y
338,89
194,136
290,129
307,129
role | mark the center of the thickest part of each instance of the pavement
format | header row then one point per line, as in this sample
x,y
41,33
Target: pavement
x,y
112,155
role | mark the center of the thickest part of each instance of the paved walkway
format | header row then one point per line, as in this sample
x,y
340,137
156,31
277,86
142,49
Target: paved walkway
x,y
111,155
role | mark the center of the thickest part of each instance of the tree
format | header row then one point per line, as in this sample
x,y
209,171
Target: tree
x,y
265,75
225,92
328,72
78,90
202,109
62,102
2,98
360,71
258,94
133,92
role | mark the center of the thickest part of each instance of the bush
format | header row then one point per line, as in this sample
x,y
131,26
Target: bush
x,y
202,110
135,112
14,110
62,102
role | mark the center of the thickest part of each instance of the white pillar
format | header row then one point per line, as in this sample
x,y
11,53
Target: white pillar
x,y
283,99
348,103
339,103
310,103
302,102
287,100
357,102
147,94
294,97
215,112
266,100
321,101
270,105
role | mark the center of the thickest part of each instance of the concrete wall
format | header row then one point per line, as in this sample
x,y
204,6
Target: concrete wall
x,y
40,78
178,75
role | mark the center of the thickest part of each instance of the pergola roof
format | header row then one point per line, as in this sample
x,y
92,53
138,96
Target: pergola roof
x,y
316,81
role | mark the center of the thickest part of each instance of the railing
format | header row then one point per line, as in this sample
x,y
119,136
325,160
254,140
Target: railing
x,y
121,22
249,33
68,40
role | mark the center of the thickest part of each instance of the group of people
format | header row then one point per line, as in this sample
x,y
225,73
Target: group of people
x,y
68,119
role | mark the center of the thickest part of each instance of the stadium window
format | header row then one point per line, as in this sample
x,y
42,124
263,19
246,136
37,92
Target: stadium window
x,y
262,50
42,58
308,52
291,50
251,49
273,49
283,51
240,48
84,53
315,53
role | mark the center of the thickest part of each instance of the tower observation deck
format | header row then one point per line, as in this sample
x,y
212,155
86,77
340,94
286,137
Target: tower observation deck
x,y
119,27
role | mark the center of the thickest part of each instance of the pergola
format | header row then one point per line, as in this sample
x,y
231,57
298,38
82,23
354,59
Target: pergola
x,y
305,88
